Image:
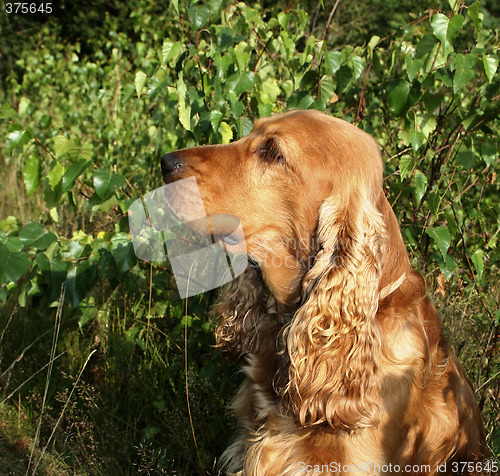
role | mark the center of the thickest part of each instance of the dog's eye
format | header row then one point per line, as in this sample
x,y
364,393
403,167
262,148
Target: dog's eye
x,y
270,152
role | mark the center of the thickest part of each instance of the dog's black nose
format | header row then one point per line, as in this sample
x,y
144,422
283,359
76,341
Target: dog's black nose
x,y
169,164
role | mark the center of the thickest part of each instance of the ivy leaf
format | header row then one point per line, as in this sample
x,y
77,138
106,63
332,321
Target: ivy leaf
x,y
441,237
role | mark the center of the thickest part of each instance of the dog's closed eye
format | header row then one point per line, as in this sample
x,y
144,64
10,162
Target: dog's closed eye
x,y
270,152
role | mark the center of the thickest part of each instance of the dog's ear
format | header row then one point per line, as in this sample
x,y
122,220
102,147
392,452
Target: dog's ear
x,y
243,309
333,341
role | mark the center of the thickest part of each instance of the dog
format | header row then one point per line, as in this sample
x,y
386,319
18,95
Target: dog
x,y
346,366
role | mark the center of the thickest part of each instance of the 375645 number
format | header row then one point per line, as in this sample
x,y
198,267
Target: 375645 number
x,y
25,8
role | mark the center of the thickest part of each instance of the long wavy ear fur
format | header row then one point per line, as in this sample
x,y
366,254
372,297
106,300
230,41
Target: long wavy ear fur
x,y
333,340
243,307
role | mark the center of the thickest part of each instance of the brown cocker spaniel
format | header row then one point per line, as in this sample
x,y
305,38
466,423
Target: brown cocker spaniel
x,y
347,370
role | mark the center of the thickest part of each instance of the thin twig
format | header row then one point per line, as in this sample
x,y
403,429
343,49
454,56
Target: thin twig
x,y
63,410
55,339
186,374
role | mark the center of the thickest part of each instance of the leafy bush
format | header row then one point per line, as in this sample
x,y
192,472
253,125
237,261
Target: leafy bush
x,y
84,129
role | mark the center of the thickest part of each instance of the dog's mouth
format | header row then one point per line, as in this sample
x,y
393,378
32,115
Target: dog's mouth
x,y
184,201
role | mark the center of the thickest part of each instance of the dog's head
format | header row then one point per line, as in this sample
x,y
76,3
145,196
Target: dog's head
x,y
275,181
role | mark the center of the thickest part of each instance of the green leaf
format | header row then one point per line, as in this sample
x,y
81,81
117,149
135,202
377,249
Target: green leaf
x,y
34,235
53,271
405,166
12,265
79,281
333,61
358,66
17,137
62,145
184,109
102,179
327,89
343,78
124,256
478,262
413,67
497,317
170,51
374,41
55,174
215,118
474,12
489,152
283,19
464,71
490,65
226,132
425,46
199,16
31,173
14,244
300,100
74,171
445,29
467,159
447,266
240,82
139,82
398,96
420,186
441,237
6,112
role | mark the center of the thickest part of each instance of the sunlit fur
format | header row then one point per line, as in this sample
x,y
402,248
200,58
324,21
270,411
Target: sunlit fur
x,y
335,374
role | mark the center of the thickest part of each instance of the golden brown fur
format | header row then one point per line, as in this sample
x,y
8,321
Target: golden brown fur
x,y
341,369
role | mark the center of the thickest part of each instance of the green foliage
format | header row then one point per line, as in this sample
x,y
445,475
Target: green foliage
x,y
84,125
